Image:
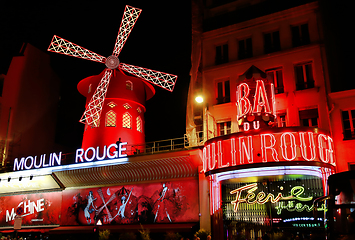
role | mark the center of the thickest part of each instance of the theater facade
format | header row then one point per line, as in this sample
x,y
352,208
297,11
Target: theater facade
x,y
121,193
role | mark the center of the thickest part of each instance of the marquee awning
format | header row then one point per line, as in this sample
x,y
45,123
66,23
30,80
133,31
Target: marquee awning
x,y
180,227
133,171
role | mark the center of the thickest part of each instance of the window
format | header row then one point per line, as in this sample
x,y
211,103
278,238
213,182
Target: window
x,y
309,117
112,104
222,54
348,117
127,120
304,76
276,76
223,91
300,35
271,42
281,119
139,110
245,49
139,124
224,128
89,90
127,106
129,85
110,119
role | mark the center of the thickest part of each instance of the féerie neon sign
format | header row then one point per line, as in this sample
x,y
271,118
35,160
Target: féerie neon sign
x,y
82,155
252,198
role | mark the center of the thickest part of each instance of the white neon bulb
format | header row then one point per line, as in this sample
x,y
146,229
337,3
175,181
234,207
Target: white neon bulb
x,y
49,170
270,171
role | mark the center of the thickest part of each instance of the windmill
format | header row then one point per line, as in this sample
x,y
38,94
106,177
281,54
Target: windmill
x,y
92,113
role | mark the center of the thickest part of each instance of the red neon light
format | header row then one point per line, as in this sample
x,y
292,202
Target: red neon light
x,y
311,147
233,152
243,103
213,160
271,147
291,144
248,148
220,156
261,101
326,155
260,98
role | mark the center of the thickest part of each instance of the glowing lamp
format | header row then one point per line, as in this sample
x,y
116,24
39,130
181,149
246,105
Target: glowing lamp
x,y
199,99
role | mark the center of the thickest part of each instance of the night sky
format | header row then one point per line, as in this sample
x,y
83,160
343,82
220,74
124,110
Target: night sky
x,y
160,40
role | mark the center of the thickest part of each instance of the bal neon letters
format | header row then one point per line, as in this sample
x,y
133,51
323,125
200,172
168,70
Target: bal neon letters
x,y
260,100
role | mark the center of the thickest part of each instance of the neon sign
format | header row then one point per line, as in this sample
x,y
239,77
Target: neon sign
x,y
262,146
255,100
260,99
252,198
82,155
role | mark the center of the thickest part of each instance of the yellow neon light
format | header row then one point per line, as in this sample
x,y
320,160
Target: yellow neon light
x,y
261,198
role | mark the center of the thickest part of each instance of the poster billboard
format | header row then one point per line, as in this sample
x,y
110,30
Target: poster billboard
x,y
35,209
164,202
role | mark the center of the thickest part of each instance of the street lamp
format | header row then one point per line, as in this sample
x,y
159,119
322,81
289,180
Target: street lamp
x,y
199,99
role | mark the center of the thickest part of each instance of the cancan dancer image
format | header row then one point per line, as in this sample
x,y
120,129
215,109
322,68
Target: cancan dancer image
x,y
88,210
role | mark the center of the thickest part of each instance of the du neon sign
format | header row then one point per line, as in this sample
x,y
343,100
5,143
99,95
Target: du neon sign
x,y
264,146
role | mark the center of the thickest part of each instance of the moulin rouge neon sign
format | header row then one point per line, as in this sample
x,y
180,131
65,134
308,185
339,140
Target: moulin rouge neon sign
x,y
259,141
90,154
252,198
265,147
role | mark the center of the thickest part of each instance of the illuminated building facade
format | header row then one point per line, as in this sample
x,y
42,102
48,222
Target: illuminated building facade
x,y
262,143
22,87
53,192
263,149
105,182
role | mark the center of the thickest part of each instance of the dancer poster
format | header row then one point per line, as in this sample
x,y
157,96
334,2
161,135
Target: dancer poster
x,y
165,202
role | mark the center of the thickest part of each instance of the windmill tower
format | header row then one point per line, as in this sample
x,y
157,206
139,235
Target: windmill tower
x,y
115,112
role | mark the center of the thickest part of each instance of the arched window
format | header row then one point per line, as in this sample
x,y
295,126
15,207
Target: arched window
x,y
127,106
110,119
129,85
139,124
127,120
112,104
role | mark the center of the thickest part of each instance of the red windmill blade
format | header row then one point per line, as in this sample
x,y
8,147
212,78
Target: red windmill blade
x,y
93,110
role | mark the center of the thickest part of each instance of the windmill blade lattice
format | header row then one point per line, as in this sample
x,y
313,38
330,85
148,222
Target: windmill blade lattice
x,y
129,19
163,80
93,110
60,45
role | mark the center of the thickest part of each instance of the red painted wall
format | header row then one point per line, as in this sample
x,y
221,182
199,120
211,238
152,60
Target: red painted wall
x,y
119,95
